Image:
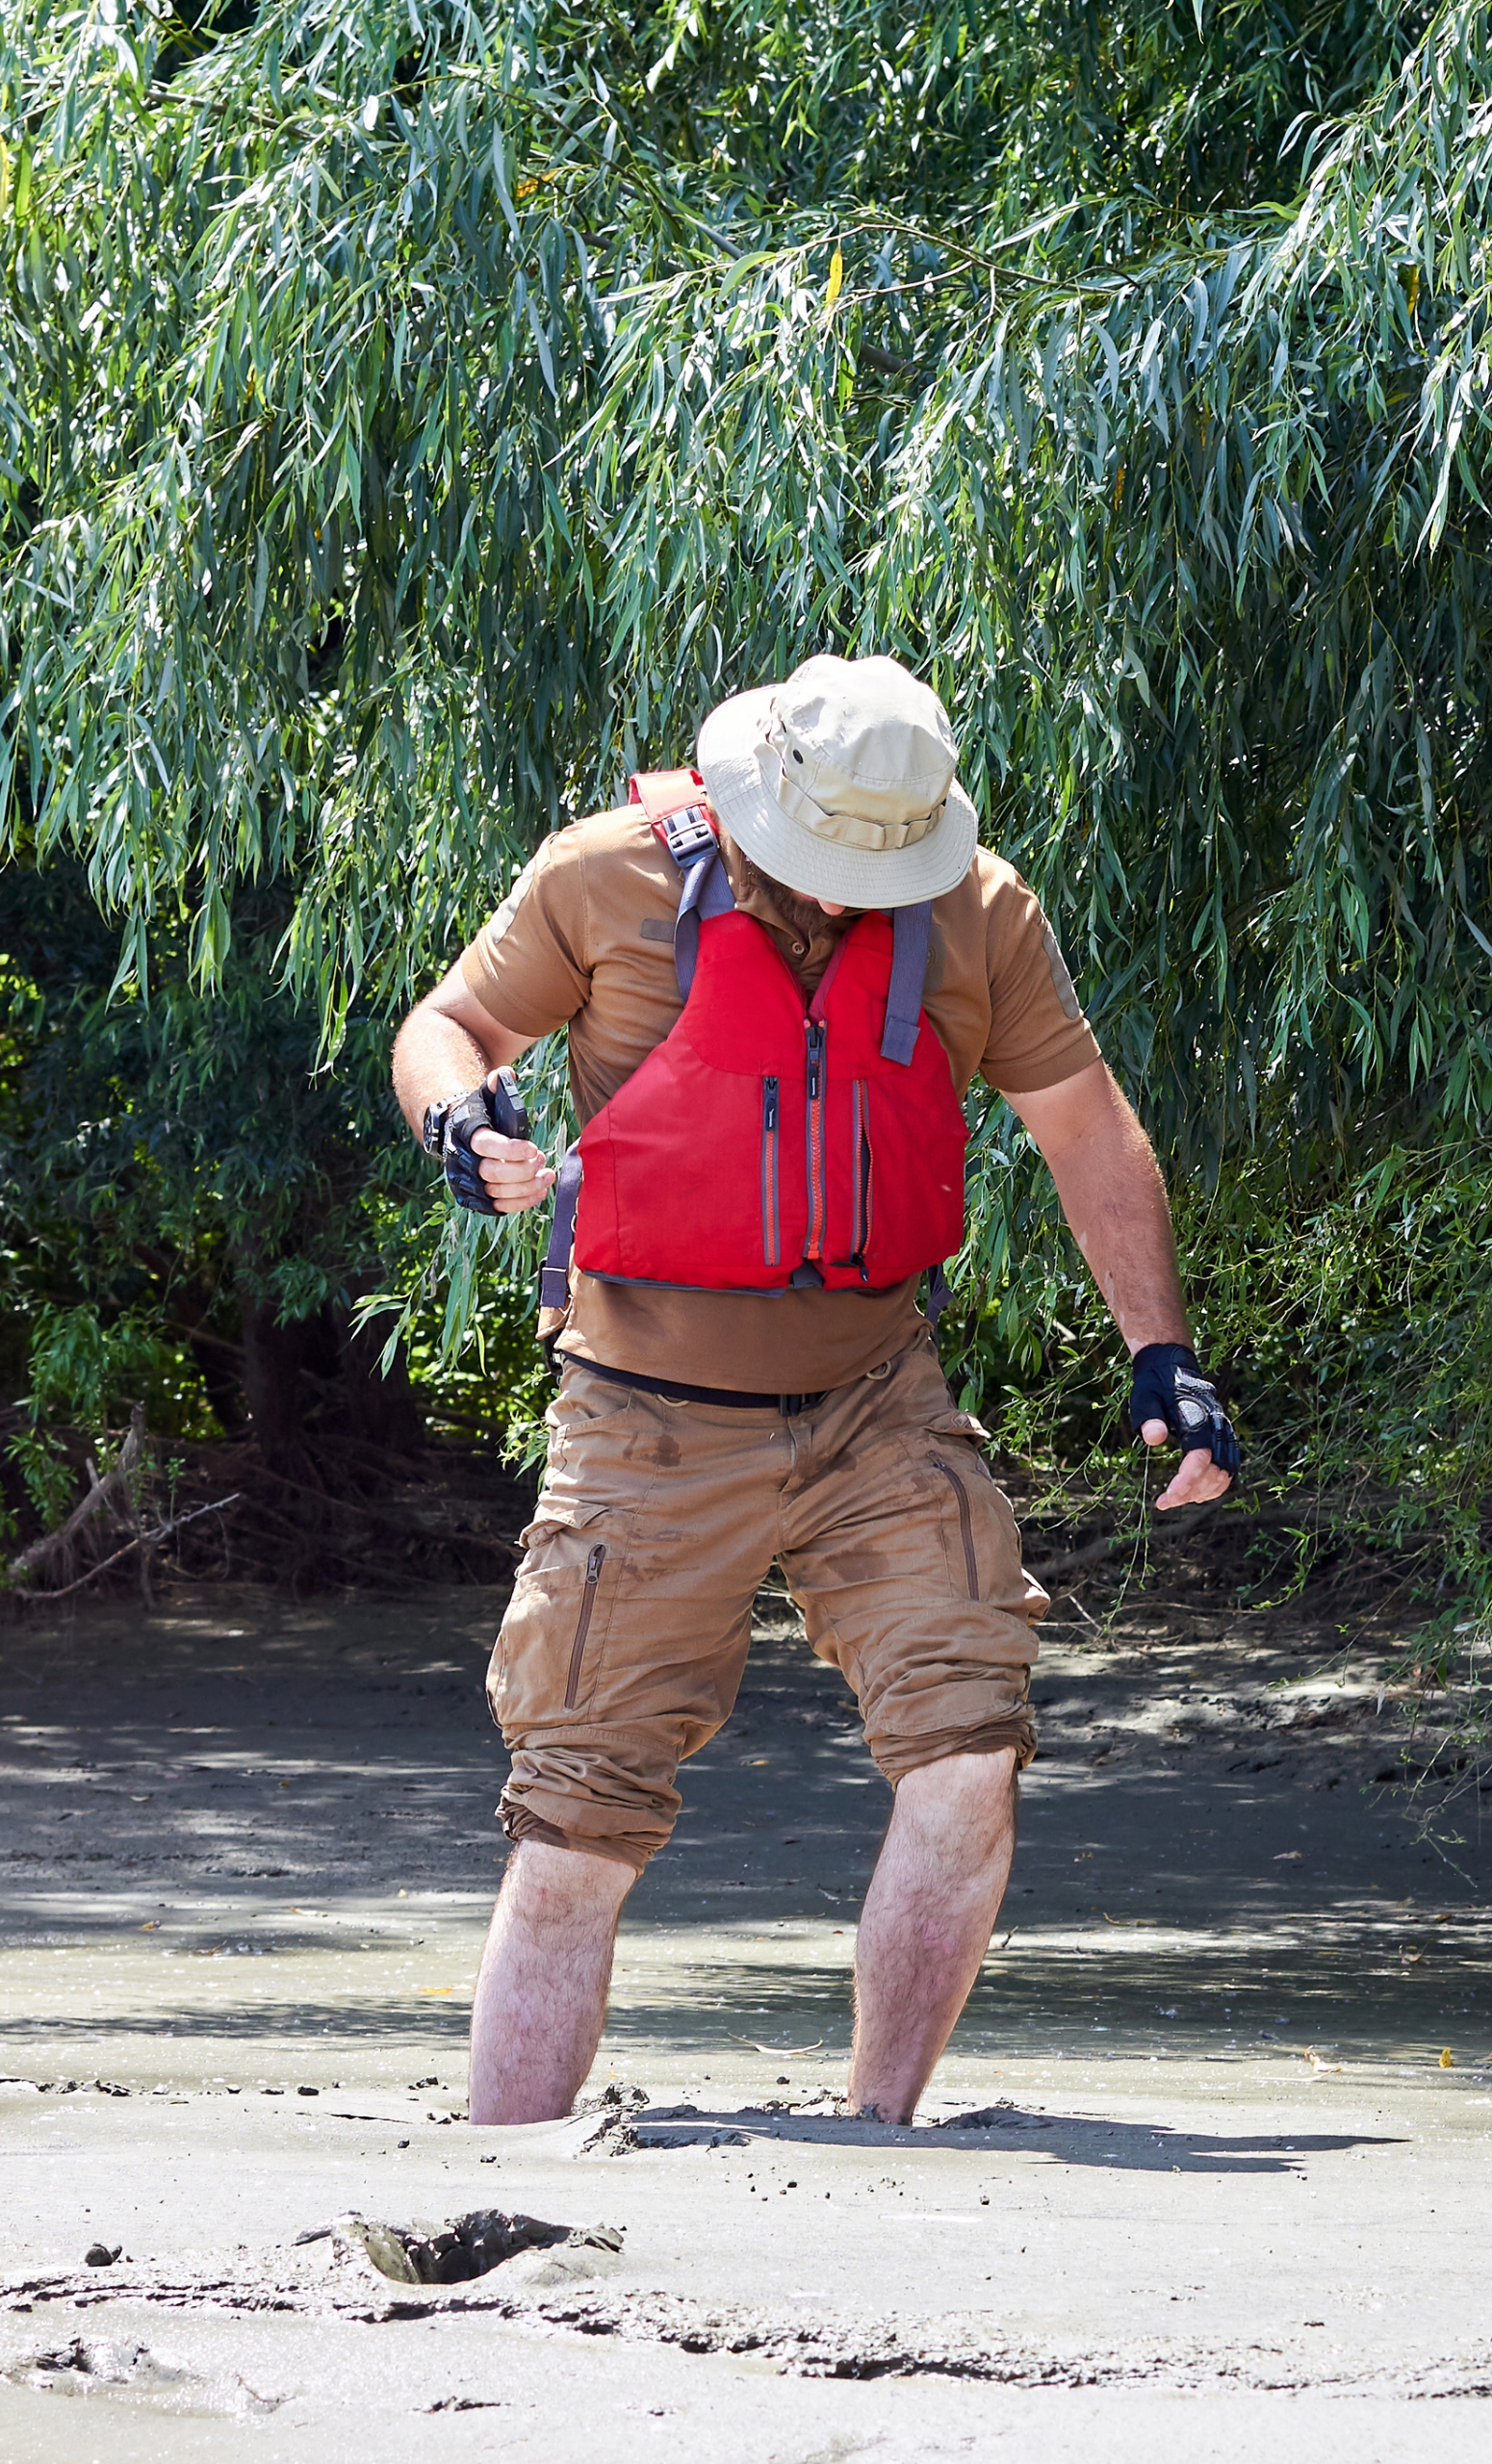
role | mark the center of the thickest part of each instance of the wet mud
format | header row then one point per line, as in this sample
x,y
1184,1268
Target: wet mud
x,y
1214,2127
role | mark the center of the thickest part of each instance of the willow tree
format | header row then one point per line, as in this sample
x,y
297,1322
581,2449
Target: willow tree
x,y
415,415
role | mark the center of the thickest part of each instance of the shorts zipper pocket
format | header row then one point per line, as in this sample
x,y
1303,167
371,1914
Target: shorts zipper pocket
x,y
966,1521
771,1235
593,1566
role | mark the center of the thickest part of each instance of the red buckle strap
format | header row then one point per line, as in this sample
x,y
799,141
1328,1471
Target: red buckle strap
x,y
678,812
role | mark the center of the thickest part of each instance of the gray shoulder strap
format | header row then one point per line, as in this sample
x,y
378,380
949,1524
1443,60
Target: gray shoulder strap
x,y
912,929
689,836
707,892
555,1273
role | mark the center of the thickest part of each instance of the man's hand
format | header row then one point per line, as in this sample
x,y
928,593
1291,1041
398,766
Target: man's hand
x,y
1170,1398
515,1173
1114,1200
1197,1480
451,1041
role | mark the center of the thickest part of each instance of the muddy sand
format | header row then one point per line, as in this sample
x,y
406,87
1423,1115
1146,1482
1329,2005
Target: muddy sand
x,y
1194,2179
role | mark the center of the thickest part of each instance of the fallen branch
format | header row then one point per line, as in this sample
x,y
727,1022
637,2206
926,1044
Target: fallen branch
x,y
100,1496
1175,1524
1075,1557
141,1540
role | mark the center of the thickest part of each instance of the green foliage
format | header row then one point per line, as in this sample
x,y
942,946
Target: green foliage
x,y
407,429
162,1149
81,1372
178,1172
1352,1324
411,418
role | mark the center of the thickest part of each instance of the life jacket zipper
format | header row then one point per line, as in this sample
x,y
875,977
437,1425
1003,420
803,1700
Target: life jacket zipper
x,y
771,1235
816,1032
966,1523
593,1565
861,1134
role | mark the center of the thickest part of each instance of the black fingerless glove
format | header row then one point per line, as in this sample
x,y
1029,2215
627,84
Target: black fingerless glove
x,y
499,1108
1170,1386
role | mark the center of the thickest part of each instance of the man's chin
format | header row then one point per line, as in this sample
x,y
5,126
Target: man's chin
x,y
807,916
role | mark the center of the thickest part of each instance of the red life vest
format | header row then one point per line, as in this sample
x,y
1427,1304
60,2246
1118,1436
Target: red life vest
x,y
770,1141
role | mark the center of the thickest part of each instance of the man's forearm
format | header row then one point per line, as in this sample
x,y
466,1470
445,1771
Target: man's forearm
x,y
1114,1201
447,1046
1120,1219
1114,1198
434,1057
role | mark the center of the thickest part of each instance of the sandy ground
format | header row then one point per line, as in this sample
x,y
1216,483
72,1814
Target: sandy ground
x,y
1192,2181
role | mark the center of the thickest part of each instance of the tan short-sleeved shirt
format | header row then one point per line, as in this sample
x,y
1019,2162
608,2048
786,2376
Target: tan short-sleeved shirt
x,y
585,940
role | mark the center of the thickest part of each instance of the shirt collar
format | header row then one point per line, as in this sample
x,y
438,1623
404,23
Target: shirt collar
x,y
752,898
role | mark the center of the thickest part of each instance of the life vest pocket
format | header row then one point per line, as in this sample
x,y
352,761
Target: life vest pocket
x,y
860,1133
771,1172
815,1133
895,1180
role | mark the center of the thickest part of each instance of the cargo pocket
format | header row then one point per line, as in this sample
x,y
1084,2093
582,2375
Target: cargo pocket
x,y
963,1477
547,1652
945,1470
583,1405
595,1560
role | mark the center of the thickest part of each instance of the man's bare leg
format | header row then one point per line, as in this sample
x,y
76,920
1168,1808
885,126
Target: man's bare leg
x,y
926,1923
540,1993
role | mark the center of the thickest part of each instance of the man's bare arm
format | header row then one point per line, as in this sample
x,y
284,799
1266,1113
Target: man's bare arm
x,y
1114,1198
447,1045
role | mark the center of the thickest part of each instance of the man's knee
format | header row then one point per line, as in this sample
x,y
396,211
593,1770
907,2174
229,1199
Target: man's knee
x,y
971,1784
1012,1735
609,1796
555,1884
542,1847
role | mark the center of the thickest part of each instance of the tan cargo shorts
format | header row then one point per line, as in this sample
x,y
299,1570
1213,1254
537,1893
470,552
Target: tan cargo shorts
x,y
627,1636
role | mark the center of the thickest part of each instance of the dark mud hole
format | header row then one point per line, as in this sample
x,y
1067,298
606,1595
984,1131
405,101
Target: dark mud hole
x,y
472,2247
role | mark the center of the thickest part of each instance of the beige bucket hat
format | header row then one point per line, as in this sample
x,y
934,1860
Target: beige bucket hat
x,y
840,783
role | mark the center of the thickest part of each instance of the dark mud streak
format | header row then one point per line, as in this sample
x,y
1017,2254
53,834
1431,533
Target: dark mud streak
x,y
903,2348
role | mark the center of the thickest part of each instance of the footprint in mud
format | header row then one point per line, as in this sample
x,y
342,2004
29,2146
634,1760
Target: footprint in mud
x,y
86,2366
531,2254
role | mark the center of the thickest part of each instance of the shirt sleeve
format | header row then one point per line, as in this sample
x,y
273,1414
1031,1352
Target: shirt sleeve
x,y
1038,1033
528,966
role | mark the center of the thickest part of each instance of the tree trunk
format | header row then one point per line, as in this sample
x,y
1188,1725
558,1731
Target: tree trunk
x,y
272,1359
381,1410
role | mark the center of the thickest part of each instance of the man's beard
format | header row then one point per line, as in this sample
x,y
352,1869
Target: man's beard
x,y
805,914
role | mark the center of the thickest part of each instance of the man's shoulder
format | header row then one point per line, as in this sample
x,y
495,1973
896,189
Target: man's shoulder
x,y
612,847
992,884
596,834
604,879
995,878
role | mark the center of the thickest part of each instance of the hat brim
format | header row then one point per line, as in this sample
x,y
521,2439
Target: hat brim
x,y
734,759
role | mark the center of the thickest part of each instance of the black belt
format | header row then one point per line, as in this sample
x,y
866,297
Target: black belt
x,y
672,1393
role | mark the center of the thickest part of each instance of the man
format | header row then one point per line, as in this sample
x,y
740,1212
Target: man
x,y
745,1373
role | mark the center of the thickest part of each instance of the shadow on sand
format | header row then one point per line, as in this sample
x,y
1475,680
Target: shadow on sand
x,y
1064,2139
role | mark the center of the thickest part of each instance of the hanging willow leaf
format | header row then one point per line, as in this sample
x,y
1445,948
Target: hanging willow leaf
x,y
408,420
